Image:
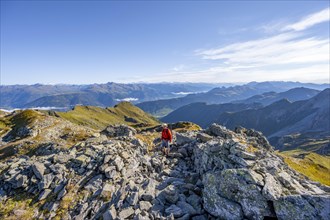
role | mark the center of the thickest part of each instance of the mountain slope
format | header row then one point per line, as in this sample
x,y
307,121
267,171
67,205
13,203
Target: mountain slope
x,y
224,95
38,95
289,125
72,99
214,96
203,114
295,94
284,117
99,118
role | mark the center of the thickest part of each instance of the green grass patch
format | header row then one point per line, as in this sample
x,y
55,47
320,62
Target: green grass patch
x,y
99,118
314,166
20,206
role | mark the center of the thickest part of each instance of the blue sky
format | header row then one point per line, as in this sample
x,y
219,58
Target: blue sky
x,y
81,42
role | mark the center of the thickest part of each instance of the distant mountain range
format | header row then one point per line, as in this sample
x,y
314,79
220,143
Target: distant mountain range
x,y
293,95
167,96
287,124
109,94
230,94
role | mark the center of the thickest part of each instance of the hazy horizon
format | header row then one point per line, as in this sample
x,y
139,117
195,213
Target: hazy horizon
x,y
85,42
224,83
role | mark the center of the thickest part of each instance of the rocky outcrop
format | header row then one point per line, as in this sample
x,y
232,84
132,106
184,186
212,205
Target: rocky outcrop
x,y
119,130
216,173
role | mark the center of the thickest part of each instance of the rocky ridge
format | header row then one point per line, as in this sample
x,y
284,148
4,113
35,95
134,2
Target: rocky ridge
x,y
210,174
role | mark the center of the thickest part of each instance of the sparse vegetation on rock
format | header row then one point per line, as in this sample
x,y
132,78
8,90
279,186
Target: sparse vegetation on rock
x,y
121,173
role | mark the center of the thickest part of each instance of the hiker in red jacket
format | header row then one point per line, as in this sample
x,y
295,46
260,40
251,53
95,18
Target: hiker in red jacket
x,y
166,139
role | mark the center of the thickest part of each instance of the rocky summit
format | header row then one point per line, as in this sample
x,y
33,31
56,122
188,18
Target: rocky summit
x,y
214,173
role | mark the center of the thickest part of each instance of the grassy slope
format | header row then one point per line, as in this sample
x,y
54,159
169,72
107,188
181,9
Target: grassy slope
x,y
99,118
22,118
312,165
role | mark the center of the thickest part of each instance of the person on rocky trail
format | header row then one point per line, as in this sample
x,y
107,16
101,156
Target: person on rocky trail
x,y
166,139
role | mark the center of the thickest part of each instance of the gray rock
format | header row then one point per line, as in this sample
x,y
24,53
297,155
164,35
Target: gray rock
x,y
59,187
62,158
82,159
149,190
145,205
110,172
220,131
61,194
204,137
217,205
110,214
195,201
175,210
107,158
19,181
107,190
183,138
321,203
171,194
241,161
94,184
141,217
43,195
125,213
47,180
138,142
133,198
118,162
157,210
119,130
186,208
53,207
243,186
199,217
272,189
38,170
295,207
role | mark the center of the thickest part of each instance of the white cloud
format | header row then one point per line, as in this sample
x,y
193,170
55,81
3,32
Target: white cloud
x,y
287,48
289,54
310,20
129,99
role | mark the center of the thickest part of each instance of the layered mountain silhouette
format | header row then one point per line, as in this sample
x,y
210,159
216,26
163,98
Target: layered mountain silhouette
x,y
294,94
297,122
38,95
284,117
108,94
233,94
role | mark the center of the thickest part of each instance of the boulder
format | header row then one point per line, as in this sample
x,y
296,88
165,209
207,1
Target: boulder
x,y
38,170
217,205
174,210
149,190
204,137
43,195
126,213
171,194
296,207
184,138
145,205
119,131
220,131
110,214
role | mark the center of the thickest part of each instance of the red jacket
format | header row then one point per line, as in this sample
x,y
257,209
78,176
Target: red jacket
x,y
166,134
